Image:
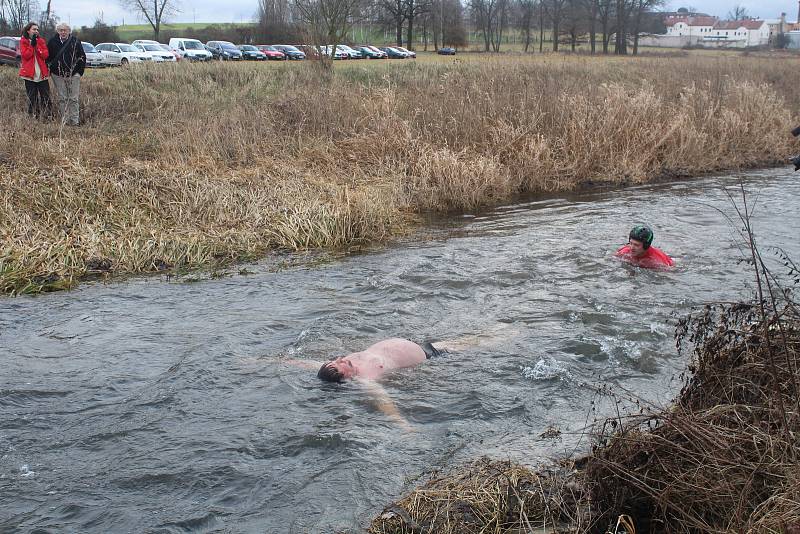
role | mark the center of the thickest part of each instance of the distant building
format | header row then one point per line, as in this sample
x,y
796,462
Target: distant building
x,y
738,34
692,29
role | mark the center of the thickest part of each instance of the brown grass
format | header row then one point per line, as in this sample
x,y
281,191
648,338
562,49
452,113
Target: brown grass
x,y
181,166
483,497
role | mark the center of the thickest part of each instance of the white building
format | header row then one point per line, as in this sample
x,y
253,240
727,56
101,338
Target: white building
x,y
738,34
682,30
692,29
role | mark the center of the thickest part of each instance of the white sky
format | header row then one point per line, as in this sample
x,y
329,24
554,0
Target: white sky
x,y
84,12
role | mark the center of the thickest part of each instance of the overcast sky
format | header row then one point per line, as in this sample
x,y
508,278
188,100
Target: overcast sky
x,y
84,12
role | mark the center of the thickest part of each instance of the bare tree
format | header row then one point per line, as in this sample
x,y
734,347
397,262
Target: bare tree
x,y
19,12
454,32
592,7
526,15
541,26
739,12
491,16
413,9
576,21
275,22
328,23
154,11
605,10
641,10
555,12
396,11
480,10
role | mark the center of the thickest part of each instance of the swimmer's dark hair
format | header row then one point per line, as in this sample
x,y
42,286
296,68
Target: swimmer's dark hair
x,y
643,233
329,373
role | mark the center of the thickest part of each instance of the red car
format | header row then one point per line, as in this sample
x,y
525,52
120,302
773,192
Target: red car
x,y
9,51
271,52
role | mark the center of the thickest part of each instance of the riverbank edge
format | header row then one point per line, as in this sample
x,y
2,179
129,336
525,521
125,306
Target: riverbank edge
x,y
103,270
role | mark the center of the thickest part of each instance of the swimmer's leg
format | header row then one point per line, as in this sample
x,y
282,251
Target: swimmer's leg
x,y
494,336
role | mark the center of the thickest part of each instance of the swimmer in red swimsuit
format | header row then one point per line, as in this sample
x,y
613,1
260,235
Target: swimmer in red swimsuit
x,y
639,250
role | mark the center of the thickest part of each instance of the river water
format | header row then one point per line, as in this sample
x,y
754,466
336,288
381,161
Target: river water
x,y
156,405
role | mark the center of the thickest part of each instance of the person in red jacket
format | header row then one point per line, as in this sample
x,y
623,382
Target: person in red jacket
x,y
639,250
33,70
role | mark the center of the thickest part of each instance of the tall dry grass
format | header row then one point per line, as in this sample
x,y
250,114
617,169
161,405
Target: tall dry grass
x,y
187,164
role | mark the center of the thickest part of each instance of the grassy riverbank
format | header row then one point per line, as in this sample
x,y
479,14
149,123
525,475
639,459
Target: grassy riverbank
x,y
179,167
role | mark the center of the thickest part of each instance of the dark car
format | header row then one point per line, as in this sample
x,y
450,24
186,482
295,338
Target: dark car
x,y
393,53
251,52
272,52
292,52
446,51
223,50
9,51
369,53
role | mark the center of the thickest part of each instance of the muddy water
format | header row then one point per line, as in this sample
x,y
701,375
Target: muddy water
x,y
157,405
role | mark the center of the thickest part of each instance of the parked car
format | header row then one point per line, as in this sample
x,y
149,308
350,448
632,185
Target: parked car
x,y
369,53
337,54
379,51
121,54
309,51
154,50
9,51
166,48
353,54
410,53
94,59
252,53
190,49
291,52
224,50
394,53
271,53
446,51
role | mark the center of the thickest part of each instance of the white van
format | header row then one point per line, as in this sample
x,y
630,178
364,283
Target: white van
x,y
191,49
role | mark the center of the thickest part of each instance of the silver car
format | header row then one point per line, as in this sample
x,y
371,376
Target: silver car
x,y
94,59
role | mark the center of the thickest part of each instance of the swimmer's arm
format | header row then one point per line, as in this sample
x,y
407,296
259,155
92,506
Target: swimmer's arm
x,y
386,405
305,364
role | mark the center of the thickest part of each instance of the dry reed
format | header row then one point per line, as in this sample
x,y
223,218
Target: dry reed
x,y
187,164
484,497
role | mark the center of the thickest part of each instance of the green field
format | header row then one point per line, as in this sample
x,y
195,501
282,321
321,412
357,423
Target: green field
x,y
131,32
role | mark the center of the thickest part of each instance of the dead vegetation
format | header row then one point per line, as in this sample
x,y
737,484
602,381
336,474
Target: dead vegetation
x,y
180,166
484,497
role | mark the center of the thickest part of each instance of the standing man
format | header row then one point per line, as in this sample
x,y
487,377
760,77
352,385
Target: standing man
x,y
67,61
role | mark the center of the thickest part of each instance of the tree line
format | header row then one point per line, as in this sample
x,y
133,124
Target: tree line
x,y
607,26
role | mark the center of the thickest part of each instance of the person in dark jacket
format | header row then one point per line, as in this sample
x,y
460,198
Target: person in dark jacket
x,y
33,69
67,61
